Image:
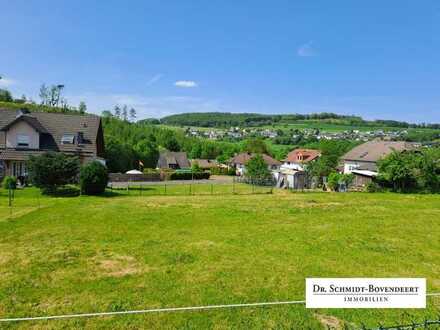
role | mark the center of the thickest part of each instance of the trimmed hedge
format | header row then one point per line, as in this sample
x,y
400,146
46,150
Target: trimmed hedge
x,y
93,178
222,171
189,176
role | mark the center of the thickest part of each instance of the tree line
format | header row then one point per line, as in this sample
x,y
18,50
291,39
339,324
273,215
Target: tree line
x,y
226,119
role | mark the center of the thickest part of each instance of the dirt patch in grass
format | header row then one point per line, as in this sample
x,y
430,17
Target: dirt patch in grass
x,y
329,322
5,257
116,266
204,244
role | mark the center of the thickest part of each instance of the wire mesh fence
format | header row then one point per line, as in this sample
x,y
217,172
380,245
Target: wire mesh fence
x,y
16,202
189,188
426,324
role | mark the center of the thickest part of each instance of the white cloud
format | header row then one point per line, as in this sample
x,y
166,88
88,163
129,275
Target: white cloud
x,y
185,83
307,50
5,82
154,79
146,107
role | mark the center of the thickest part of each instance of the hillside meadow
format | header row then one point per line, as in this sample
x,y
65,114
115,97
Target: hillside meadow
x,y
131,251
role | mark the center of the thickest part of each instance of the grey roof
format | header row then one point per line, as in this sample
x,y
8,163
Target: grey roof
x,y
205,163
178,159
32,121
375,150
53,126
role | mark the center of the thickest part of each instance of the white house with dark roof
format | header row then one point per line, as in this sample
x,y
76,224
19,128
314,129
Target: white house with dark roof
x,y
24,134
364,157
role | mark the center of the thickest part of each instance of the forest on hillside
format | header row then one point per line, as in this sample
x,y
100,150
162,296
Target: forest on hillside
x,y
226,119
127,143
136,144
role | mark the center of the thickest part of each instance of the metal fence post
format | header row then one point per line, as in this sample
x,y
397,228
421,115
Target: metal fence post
x,y
10,195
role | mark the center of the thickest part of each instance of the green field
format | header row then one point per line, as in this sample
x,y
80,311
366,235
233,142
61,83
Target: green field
x,y
127,251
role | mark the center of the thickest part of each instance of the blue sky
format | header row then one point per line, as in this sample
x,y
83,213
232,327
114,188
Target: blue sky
x,y
377,59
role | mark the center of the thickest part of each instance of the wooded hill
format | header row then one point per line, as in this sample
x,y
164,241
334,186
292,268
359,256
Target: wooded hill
x,y
227,119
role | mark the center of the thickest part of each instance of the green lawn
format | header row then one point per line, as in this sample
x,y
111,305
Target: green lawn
x,y
122,252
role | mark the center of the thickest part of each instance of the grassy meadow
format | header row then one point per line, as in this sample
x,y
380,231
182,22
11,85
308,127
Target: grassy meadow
x,y
128,251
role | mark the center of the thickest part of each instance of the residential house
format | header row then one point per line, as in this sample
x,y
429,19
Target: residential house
x,y
292,173
299,158
173,160
206,164
239,162
366,155
23,134
362,160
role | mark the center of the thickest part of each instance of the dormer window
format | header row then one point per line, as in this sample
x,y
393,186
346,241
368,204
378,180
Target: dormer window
x,y
22,141
68,139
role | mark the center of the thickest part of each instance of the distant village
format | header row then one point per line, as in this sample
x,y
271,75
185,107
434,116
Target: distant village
x,y
237,133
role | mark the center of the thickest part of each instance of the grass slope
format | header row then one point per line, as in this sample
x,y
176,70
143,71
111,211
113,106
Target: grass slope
x,y
89,254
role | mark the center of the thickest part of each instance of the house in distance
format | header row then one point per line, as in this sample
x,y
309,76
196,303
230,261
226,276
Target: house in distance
x,y
23,134
173,160
362,160
239,162
292,173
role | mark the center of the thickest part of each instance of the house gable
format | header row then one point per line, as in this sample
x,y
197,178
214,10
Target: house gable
x,y
21,135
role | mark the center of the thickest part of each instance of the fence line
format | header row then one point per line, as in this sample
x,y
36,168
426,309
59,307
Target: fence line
x,y
425,324
190,188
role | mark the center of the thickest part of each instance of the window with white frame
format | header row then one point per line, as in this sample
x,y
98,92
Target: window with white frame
x,y
22,140
68,138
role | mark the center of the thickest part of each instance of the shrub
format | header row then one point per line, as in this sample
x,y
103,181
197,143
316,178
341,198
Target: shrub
x,y
195,168
52,171
189,176
222,171
67,191
9,182
150,171
373,187
93,178
333,180
256,169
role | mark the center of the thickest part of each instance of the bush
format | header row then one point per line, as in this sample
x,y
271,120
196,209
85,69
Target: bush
x,y
67,191
335,180
9,182
52,171
256,169
93,178
150,171
222,171
373,187
189,176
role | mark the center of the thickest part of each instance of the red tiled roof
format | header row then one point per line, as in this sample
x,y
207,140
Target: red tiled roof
x,y
244,157
302,155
